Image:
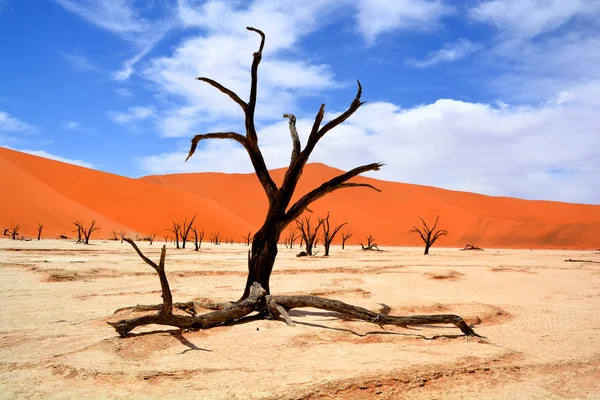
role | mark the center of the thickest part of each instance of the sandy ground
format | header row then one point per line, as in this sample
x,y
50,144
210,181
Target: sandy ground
x,y
540,314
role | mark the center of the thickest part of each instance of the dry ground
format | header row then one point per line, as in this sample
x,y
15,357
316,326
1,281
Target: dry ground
x,y
541,316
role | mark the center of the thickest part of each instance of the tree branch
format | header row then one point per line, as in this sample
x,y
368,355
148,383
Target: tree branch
x,y
250,128
333,184
228,92
295,137
216,135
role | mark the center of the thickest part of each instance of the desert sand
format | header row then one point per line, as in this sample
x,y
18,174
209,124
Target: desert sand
x,y
540,316
57,194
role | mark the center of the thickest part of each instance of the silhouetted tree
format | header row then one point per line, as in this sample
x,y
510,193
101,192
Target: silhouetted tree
x,y
308,233
248,238
429,236
13,231
371,245
40,226
151,237
329,234
215,238
78,225
280,213
176,230
122,235
345,236
185,231
198,237
85,232
115,235
291,237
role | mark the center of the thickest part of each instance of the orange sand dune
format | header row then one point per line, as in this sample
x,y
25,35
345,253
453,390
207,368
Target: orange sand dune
x,y
55,193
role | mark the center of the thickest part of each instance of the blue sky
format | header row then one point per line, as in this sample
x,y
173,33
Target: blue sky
x,y
495,96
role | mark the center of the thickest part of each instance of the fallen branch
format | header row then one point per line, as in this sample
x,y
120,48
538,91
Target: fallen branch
x,y
471,247
583,261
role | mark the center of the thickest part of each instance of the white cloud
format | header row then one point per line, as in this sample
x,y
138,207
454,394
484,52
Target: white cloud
x,y
113,15
546,151
123,92
9,123
133,115
527,19
74,126
79,62
377,17
45,154
450,52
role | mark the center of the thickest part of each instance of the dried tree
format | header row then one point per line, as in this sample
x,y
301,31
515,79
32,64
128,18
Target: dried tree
x,y
13,231
215,238
40,226
122,235
291,237
78,225
345,236
429,236
248,238
371,245
176,230
115,235
471,247
256,296
309,234
152,237
185,230
198,237
85,232
329,234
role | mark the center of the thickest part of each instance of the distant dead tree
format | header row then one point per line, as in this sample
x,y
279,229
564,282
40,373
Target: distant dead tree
x,y
176,230
345,236
115,235
215,238
248,238
198,237
329,234
86,232
290,238
185,231
471,247
371,245
122,235
281,212
309,234
151,237
40,226
13,231
6,232
429,236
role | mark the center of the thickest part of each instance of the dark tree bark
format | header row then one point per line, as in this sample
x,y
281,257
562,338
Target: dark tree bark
x,y
328,234
152,237
13,231
215,238
471,247
429,236
122,235
371,245
176,230
79,226
115,235
40,226
281,212
198,238
248,238
185,231
345,236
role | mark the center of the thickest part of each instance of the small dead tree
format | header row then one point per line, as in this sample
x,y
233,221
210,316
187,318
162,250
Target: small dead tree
x,y
152,237
309,234
122,235
345,236
429,236
215,238
13,231
115,235
290,238
472,247
185,231
198,237
329,234
40,226
176,230
371,245
84,233
281,212
248,238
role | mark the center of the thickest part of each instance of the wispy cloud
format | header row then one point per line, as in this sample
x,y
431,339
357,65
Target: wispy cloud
x,y
74,126
132,115
9,123
450,52
79,62
378,17
123,92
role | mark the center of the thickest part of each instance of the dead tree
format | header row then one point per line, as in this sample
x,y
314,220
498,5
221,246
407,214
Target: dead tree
x,y
345,236
371,245
13,231
329,234
40,226
122,235
248,238
152,237
291,237
308,233
472,247
281,212
115,238
185,230
429,236
198,237
78,225
83,233
176,230
215,238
